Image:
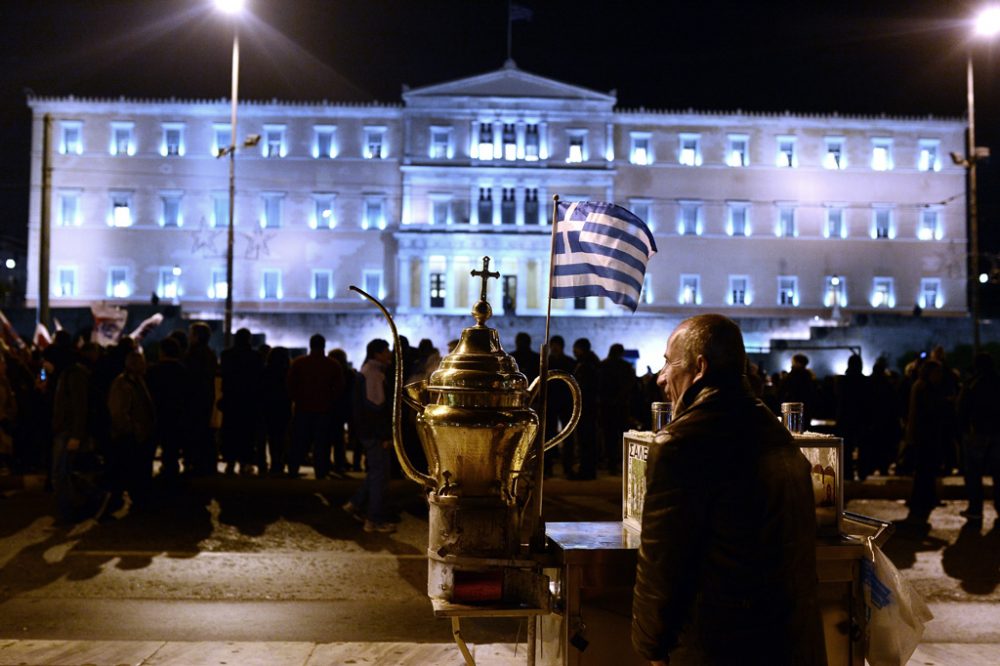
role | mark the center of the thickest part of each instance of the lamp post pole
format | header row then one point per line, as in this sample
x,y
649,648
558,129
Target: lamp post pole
x,y
972,204
228,321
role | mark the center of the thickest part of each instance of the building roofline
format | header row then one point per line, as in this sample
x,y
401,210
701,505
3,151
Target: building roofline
x,y
274,101
750,113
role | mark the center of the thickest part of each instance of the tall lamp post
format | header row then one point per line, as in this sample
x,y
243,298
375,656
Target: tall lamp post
x,y
987,25
233,9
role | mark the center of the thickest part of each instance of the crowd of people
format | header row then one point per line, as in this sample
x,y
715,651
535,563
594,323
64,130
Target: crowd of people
x,y
95,418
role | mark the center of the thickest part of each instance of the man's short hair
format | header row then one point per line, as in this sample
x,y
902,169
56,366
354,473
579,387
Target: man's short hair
x,y
200,332
557,340
582,344
169,347
375,347
719,340
801,359
317,342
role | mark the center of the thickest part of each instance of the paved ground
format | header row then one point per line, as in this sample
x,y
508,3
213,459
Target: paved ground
x,y
247,571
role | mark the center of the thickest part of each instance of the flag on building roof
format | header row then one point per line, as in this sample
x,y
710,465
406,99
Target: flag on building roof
x,y
601,249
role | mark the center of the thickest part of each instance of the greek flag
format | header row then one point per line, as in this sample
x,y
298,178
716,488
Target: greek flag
x,y
600,250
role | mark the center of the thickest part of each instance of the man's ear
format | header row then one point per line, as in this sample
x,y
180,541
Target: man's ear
x,y
701,368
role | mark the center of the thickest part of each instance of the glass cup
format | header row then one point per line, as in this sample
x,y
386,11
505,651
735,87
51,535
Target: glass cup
x,y
793,416
661,415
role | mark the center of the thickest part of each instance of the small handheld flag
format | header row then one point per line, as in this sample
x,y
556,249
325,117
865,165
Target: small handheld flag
x,y
600,249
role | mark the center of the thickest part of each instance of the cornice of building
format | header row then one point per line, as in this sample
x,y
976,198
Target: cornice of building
x,y
44,100
834,116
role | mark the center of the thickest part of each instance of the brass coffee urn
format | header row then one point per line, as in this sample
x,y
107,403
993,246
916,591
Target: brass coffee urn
x,y
478,431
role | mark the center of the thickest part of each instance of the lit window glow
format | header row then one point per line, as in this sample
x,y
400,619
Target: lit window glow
x,y
882,154
324,142
930,294
690,290
786,156
834,157
689,153
928,156
737,153
739,290
883,293
641,150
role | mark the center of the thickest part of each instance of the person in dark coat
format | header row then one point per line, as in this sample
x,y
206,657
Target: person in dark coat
x,y
203,367
277,407
799,385
242,376
170,385
315,383
853,404
977,410
560,406
527,358
132,420
618,393
588,375
727,564
345,406
926,438
884,433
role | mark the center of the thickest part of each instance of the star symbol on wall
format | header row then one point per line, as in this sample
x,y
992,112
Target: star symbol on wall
x,y
257,241
204,240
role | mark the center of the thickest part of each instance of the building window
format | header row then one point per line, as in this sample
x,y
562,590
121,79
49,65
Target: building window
x,y
690,290
738,222
689,222
646,296
121,209
739,290
738,150
321,288
437,290
374,143
440,210
440,148
834,291
485,145
218,287
577,139
485,205
882,154
220,209
173,140
324,143
643,209
118,285
883,293
271,210
374,213
531,208
787,156
834,156
69,209
270,285
930,293
580,303
323,213
788,290
274,141
531,142
929,155
508,209
66,285
222,138
374,284
785,226
168,283
929,226
836,225
509,137
170,214
122,139
882,226
71,142
689,153
641,150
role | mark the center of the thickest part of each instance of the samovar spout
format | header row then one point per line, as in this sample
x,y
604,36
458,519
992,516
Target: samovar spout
x,y
397,403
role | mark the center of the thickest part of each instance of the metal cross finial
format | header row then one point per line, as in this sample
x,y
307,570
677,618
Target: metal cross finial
x,y
485,274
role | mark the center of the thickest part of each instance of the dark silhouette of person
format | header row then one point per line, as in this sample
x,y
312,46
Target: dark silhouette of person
x,y
170,385
727,564
799,385
527,358
132,421
588,375
881,442
242,375
277,408
618,393
926,436
560,406
202,367
345,406
853,404
978,403
315,383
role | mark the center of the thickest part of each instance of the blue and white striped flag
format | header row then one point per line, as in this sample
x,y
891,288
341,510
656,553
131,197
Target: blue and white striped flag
x,y
600,250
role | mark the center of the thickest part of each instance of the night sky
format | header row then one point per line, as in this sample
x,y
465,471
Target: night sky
x,y
899,57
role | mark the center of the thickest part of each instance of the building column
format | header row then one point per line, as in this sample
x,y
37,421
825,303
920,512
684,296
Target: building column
x,y
497,202
497,140
543,141
520,139
403,272
609,144
544,206
474,140
474,205
406,213
519,194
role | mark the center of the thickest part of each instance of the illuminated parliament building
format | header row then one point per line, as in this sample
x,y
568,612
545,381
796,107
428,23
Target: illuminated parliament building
x,y
762,216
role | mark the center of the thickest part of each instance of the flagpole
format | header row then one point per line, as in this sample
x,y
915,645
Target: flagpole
x,y
509,22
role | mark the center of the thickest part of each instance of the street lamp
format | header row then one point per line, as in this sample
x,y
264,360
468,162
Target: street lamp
x,y
987,25
233,8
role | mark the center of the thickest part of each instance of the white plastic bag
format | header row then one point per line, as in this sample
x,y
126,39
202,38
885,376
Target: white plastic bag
x,y
896,612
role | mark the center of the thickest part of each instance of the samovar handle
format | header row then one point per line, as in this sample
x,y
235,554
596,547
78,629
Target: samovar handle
x,y
574,417
397,403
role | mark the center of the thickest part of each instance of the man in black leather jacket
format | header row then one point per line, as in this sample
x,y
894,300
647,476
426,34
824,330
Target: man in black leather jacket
x,y
727,567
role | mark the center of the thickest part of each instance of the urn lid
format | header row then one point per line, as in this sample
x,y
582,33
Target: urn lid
x,y
478,362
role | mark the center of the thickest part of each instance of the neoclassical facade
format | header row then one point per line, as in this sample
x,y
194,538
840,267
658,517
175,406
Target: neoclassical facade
x,y
754,214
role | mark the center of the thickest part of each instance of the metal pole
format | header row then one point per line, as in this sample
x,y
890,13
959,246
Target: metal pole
x,y
972,205
230,287
45,227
